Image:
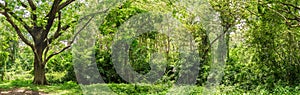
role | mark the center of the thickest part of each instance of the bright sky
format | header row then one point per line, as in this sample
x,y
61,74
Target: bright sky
x,y
1,1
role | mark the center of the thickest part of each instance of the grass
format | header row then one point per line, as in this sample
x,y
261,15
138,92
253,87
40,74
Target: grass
x,y
65,88
71,88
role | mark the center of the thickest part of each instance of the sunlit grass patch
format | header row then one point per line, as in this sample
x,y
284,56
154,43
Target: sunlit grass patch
x,y
65,88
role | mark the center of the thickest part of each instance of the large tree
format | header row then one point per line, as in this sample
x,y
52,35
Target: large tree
x,y
40,24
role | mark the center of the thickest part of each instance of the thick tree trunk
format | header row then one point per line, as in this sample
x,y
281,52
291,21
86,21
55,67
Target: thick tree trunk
x,y
39,74
39,68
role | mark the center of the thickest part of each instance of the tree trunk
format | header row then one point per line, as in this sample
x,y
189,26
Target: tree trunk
x,y
2,75
39,68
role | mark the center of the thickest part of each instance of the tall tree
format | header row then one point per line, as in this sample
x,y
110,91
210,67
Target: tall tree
x,y
40,24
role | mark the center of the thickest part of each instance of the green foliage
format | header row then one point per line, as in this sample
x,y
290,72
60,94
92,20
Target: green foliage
x,y
265,56
262,40
143,89
117,16
137,89
8,50
60,68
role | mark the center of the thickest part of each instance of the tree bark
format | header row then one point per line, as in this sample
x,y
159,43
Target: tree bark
x,y
39,66
39,73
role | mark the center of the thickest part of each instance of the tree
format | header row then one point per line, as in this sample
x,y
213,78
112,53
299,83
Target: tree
x,y
40,24
4,45
8,48
277,47
269,30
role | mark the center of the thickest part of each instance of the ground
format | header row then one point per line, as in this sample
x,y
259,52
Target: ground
x,y
18,91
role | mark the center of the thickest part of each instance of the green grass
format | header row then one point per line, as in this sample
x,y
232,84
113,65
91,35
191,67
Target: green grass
x,y
71,88
65,88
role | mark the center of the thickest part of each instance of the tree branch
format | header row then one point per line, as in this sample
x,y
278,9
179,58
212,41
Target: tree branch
x,y
57,33
286,4
295,18
93,14
55,8
296,25
64,28
33,14
46,52
287,19
58,30
20,20
8,18
31,4
51,15
72,41
2,6
63,5
224,32
23,4
16,17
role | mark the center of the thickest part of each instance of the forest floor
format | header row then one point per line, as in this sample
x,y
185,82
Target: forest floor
x,y
18,91
25,87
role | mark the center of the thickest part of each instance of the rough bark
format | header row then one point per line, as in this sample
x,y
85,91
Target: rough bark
x,y
39,64
39,73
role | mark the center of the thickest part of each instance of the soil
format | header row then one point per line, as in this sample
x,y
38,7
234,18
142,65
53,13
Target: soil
x,y
18,91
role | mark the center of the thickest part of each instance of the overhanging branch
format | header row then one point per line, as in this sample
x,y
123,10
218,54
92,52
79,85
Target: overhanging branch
x,y
21,36
67,26
63,5
20,20
9,12
71,42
